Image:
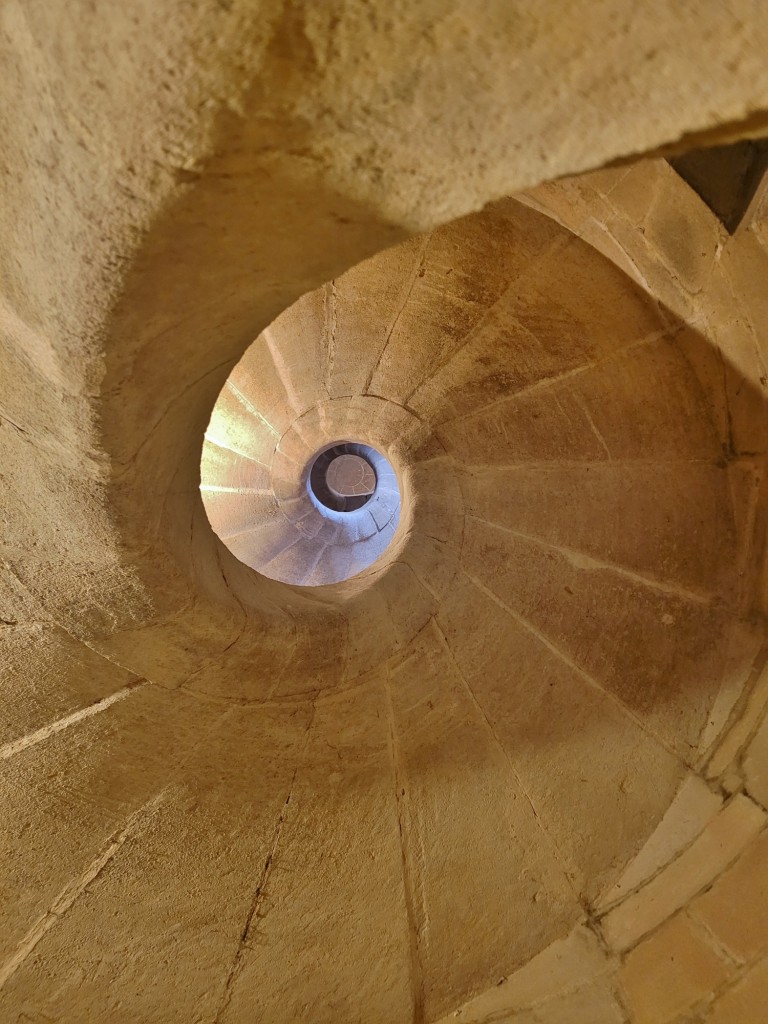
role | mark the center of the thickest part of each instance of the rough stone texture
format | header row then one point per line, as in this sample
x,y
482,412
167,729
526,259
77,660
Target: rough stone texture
x,y
566,966
225,800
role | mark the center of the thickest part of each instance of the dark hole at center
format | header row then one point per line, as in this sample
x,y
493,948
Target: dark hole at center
x,y
342,478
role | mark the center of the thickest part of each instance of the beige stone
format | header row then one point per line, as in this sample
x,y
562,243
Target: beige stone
x,y
692,809
744,725
592,1004
756,764
234,234
735,909
745,1002
719,844
562,968
670,972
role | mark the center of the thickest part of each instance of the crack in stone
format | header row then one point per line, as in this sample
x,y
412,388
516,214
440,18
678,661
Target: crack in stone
x,y
417,970
259,894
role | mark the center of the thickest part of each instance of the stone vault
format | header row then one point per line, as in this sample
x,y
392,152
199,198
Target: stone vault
x,y
491,744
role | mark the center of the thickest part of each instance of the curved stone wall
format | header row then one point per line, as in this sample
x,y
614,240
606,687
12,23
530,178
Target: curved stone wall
x,y
518,764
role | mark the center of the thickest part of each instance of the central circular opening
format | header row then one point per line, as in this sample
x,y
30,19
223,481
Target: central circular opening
x,y
343,480
350,476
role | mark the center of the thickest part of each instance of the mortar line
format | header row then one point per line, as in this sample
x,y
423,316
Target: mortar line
x,y
491,314
235,451
74,889
330,302
416,968
705,888
283,372
544,465
45,732
552,381
259,893
255,528
598,436
220,489
62,625
248,404
418,263
584,675
575,555
745,530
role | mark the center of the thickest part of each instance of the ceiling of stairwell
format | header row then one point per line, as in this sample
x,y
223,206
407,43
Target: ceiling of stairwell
x,y
231,793
546,640
509,697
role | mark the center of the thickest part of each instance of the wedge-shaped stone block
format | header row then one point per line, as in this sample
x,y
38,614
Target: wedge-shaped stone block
x,y
719,844
736,907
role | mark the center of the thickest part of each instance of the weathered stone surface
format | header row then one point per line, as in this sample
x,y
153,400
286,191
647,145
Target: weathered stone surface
x,y
756,764
226,799
450,769
591,1004
565,966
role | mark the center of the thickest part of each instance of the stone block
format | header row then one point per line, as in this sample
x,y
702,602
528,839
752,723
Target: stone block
x,y
669,973
524,894
756,765
736,907
741,655
684,237
632,191
746,1002
564,966
692,809
47,675
592,1004
738,735
720,842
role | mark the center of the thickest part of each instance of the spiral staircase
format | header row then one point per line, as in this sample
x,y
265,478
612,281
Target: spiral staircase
x,y
383,598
